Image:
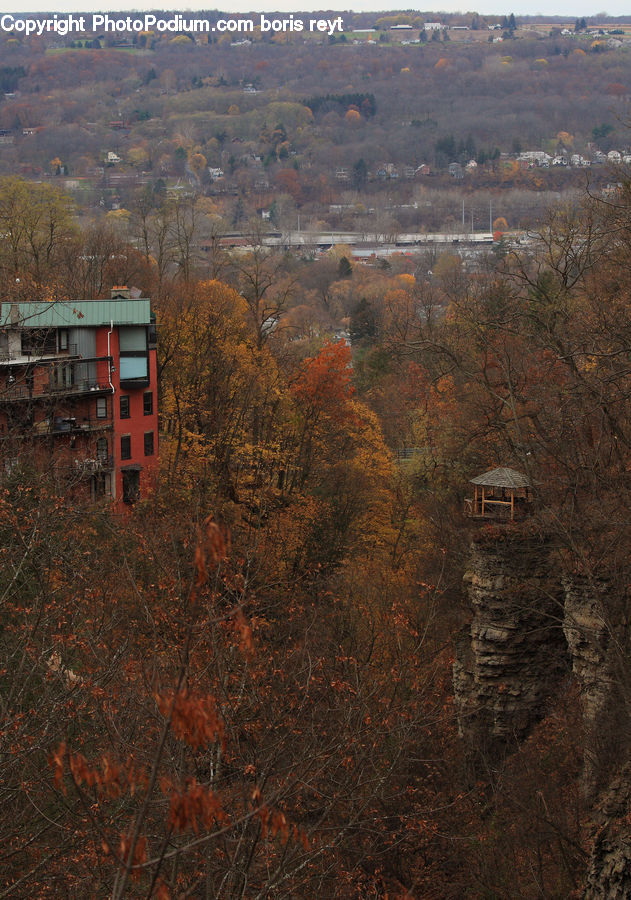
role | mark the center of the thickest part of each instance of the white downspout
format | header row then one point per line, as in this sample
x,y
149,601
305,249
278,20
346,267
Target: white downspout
x,y
109,361
109,364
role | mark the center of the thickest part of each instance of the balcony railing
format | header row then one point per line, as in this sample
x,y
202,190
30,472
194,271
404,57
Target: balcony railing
x,y
81,376
71,426
98,464
497,510
34,354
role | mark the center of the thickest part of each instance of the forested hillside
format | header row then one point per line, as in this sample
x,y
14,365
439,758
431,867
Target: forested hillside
x,y
355,131
242,685
299,667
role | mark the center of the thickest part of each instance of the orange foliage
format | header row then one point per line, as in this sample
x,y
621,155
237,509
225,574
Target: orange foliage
x,y
325,381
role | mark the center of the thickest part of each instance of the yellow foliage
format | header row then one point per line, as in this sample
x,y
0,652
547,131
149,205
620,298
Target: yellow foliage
x,y
118,215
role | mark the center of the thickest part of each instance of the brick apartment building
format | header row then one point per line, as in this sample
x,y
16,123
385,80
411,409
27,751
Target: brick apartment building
x,y
78,392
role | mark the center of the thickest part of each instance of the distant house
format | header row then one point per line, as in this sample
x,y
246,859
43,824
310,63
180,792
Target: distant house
x,y
614,156
535,158
455,170
433,26
112,158
387,170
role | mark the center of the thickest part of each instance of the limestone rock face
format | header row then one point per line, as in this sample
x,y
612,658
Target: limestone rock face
x,y
529,625
513,654
587,638
593,664
609,875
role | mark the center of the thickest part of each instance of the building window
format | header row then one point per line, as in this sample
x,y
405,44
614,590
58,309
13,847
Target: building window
x,y
101,449
101,407
131,486
148,443
63,338
38,341
133,360
99,485
147,403
126,446
124,406
133,368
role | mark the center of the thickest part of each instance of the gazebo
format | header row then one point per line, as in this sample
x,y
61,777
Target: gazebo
x,y
500,494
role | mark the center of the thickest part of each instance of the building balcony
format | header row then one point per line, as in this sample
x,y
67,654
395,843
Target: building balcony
x,y
70,378
59,426
32,356
71,425
98,464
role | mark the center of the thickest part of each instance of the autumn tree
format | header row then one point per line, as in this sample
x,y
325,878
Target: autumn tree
x,y
264,280
37,225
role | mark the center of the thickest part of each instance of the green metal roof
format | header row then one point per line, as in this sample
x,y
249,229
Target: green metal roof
x,y
75,314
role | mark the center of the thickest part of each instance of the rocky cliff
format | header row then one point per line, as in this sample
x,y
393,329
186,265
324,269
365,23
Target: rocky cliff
x,y
529,627
510,658
609,874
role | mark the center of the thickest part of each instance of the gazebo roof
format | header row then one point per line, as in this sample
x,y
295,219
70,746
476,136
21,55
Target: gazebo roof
x,y
504,478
